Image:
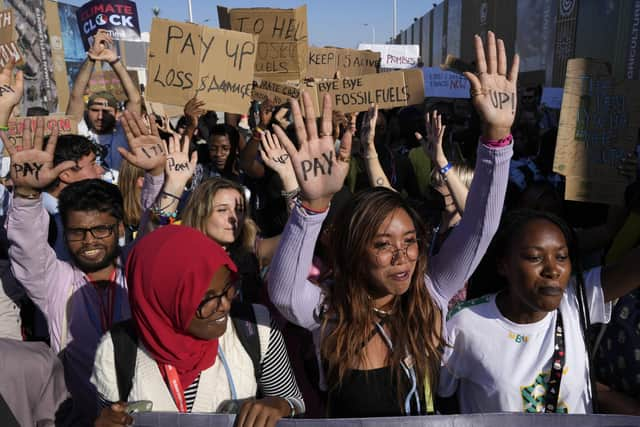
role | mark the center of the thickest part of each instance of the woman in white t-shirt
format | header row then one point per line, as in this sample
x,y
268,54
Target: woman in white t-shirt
x,y
522,349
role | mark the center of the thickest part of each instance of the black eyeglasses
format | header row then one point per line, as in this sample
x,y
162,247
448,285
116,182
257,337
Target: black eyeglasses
x,y
211,304
98,232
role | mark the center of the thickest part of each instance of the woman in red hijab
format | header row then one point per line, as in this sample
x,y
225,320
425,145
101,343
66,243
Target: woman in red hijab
x,y
190,357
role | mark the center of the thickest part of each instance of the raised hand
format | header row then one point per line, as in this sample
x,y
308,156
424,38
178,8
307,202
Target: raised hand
x,y
275,157
493,91
368,133
193,109
179,168
148,150
319,170
31,166
433,144
101,49
10,95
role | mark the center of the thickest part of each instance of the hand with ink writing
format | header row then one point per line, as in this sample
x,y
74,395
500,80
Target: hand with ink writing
x,y
31,165
148,150
493,91
101,49
319,170
433,144
10,94
275,157
179,168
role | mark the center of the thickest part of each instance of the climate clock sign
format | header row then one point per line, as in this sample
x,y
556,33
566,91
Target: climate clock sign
x,y
118,17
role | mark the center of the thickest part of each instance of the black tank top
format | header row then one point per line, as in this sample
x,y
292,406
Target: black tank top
x,y
367,393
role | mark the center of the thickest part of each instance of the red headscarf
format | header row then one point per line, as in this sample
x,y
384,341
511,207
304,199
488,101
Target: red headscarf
x,y
168,273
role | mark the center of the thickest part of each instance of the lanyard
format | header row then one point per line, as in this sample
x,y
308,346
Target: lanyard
x,y
557,366
175,386
407,367
106,311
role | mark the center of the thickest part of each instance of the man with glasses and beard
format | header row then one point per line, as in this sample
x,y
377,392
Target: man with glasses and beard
x,y
99,121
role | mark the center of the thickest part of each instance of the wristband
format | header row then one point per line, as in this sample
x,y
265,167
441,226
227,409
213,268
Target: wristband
x,y
311,211
4,128
172,196
115,61
445,169
497,142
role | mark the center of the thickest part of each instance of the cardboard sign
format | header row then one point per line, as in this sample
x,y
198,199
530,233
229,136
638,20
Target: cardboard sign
x,y
324,62
395,56
7,24
283,47
445,84
108,81
279,93
118,17
599,122
414,80
388,90
187,59
552,97
66,125
8,48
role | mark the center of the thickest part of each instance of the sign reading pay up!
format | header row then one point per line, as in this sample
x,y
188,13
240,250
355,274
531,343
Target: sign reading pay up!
x,y
187,59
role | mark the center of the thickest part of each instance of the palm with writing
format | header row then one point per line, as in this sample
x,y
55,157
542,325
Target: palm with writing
x,y
101,49
319,170
10,94
179,168
275,157
148,150
31,166
433,144
493,91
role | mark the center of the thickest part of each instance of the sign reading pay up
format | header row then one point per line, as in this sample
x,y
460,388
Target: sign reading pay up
x,y
187,59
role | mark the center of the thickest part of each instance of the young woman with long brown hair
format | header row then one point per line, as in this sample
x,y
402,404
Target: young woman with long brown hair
x,y
378,325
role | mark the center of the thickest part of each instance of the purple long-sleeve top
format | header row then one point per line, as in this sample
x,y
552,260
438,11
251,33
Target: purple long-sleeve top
x,y
62,291
298,299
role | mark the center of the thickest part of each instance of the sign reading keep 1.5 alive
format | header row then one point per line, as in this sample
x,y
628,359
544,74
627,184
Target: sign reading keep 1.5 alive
x,y
118,17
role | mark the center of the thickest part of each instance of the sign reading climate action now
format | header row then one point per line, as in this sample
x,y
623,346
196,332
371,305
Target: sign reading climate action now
x,y
188,59
118,17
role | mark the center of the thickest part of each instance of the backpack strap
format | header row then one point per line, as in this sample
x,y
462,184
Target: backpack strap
x,y
125,348
245,324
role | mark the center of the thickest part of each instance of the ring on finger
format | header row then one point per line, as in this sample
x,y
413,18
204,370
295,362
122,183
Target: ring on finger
x,y
477,92
344,159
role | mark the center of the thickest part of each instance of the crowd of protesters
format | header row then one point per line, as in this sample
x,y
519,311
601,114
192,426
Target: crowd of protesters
x,y
279,264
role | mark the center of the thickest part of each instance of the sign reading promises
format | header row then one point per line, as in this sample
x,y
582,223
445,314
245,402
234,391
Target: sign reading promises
x,y
118,17
599,122
66,125
324,62
388,90
188,59
283,48
396,56
8,47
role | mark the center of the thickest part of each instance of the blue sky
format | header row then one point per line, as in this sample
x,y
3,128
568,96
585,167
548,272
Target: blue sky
x,y
331,22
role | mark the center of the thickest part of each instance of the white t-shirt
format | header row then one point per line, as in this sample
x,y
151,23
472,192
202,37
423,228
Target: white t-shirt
x,y
497,365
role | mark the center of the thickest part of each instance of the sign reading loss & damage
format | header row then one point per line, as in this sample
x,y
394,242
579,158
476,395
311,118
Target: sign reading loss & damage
x,y
187,59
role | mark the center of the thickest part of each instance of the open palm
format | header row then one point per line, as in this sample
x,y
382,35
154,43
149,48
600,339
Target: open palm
x,y
494,92
319,170
147,149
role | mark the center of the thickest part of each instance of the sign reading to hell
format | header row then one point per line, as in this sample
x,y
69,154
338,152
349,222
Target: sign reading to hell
x,y
66,125
388,90
599,122
8,48
324,62
118,17
188,59
283,39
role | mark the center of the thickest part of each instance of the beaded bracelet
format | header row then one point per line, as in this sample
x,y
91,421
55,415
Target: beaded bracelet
x,y
445,169
163,218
